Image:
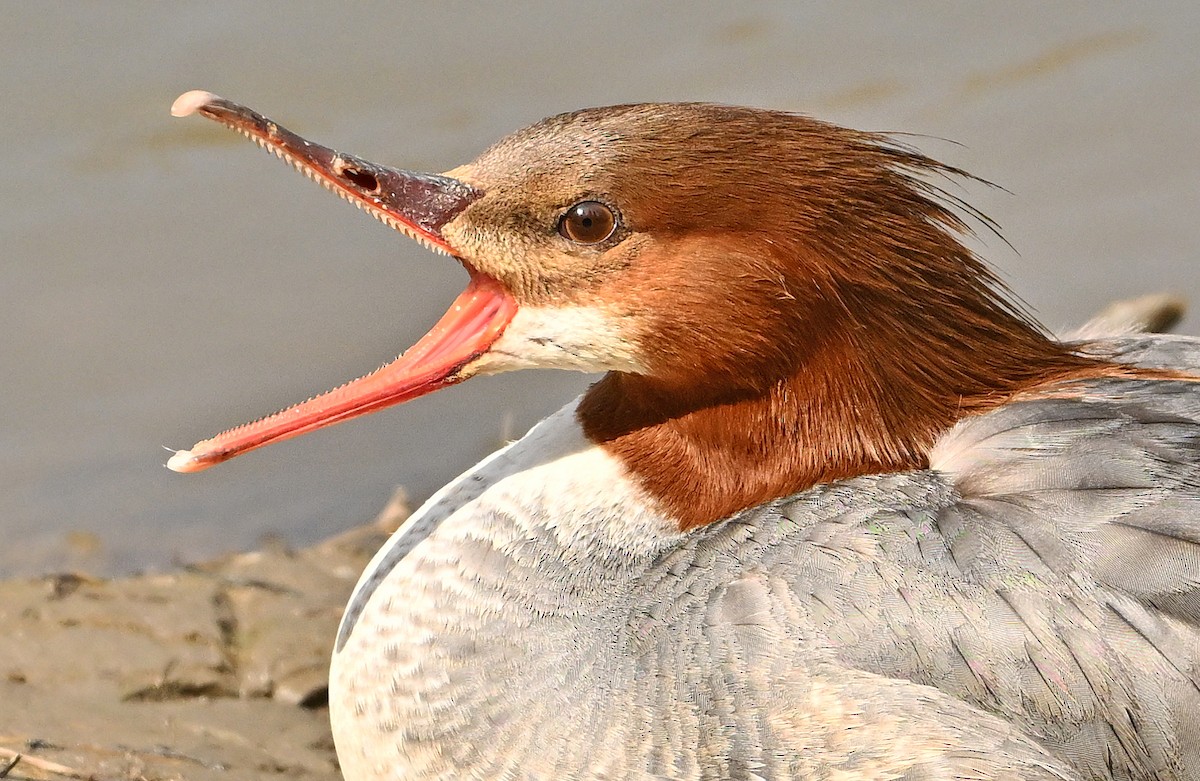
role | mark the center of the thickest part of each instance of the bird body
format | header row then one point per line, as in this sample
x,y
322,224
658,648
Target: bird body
x,y
988,617
836,510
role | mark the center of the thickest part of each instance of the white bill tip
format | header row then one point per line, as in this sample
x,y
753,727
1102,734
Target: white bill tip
x,y
181,461
190,102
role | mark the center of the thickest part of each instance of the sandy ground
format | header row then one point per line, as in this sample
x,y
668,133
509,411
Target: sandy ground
x,y
218,671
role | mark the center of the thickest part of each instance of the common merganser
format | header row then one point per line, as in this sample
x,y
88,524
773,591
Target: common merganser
x,y
838,509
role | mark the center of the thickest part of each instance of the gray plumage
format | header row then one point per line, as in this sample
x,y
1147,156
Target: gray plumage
x,y
1028,608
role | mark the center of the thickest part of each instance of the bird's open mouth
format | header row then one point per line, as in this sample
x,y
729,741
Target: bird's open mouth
x,y
417,205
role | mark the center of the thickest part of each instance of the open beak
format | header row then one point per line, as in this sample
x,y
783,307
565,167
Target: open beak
x,y
419,206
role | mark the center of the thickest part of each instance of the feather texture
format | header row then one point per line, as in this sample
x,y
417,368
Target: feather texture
x,y
1025,608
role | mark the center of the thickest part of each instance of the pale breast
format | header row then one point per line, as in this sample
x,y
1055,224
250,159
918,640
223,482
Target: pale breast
x,y
457,631
1026,610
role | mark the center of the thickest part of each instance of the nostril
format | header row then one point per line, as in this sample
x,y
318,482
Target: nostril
x,y
362,179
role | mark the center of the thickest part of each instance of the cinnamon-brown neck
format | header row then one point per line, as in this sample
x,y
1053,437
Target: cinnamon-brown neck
x,y
852,409
833,327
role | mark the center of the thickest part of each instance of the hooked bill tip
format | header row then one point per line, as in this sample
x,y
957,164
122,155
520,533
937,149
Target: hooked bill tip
x,y
183,462
191,102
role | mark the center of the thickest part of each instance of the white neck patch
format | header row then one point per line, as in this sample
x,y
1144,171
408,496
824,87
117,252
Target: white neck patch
x,y
554,485
582,338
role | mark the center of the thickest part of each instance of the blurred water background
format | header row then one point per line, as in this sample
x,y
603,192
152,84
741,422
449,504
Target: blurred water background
x,y
162,279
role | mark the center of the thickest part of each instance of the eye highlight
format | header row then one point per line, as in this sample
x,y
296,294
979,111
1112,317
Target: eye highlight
x,y
587,222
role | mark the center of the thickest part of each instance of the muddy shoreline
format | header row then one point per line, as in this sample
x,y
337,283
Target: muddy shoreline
x,y
216,671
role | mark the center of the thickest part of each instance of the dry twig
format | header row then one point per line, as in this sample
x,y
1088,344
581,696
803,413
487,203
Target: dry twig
x,y
45,765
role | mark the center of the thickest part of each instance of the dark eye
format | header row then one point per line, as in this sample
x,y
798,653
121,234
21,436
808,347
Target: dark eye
x,y
588,222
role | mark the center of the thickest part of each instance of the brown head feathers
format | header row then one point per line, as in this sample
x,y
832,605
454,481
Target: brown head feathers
x,y
807,309
778,302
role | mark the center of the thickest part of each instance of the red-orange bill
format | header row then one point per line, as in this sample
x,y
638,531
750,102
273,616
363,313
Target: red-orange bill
x,y
418,205
466,331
